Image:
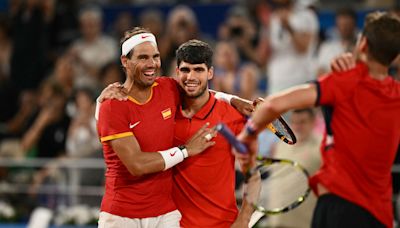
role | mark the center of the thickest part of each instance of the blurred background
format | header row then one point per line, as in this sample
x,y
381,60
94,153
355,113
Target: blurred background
x,y
57,55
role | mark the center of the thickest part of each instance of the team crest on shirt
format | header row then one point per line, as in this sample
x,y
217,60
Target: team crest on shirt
x,y
167,113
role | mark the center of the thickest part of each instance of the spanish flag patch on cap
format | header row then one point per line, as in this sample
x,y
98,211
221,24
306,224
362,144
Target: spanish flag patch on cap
x,y
166,113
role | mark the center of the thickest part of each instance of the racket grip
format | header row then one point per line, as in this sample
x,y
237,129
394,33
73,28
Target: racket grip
x,y
227,133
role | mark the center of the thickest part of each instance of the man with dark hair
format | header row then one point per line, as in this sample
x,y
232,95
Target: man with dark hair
x,y
354,182
204,186
136,193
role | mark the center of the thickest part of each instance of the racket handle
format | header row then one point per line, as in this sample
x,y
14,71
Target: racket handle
x,y
227,133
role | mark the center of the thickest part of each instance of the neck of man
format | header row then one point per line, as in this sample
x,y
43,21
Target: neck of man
x,y
191,105
138,92
376,70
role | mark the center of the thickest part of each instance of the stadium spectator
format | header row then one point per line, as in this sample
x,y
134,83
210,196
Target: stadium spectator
x,y
111,73
29,60
82,139
122,23
152,19
241,30
232,76
46,136
83,142
93,50
181,26
293,40
346,30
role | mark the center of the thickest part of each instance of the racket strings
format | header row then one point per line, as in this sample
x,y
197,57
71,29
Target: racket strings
x,y
282,185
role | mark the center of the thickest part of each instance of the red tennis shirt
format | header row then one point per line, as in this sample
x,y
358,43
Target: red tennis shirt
x,y
204,185
152,123
366,133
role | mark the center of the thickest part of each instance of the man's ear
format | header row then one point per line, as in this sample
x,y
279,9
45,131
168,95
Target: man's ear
x,y
124,60
210,73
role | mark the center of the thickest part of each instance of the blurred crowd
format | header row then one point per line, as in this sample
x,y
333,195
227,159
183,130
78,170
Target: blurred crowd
x,y
56,56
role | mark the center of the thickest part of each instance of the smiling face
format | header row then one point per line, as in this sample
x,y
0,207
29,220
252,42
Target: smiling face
x,y
193,78
143,65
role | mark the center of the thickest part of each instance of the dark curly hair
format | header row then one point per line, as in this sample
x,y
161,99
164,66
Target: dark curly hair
x,y
382,31
195,52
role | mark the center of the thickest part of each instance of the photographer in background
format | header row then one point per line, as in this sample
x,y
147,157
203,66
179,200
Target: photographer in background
x,y
293,40
181,26
239,29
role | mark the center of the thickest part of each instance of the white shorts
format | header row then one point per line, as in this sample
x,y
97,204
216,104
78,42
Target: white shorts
x,y
168,220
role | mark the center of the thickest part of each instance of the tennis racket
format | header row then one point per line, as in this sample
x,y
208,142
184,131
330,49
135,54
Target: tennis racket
x,y
281,129
284,183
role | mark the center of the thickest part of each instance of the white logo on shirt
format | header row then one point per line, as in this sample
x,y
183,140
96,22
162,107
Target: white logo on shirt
x,y
133,125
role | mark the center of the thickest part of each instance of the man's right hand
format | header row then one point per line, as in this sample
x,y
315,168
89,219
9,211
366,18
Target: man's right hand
x,y
113,91
343,62
247,160
201,140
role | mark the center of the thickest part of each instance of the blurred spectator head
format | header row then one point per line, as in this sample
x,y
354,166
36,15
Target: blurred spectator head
x,y
110,73
152,19
238,24
302,122
226,55
182,24
64,71
84,99
90,20
122,23
346,21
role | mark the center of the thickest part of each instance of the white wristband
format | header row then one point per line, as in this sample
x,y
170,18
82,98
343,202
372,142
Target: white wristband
x,y
224,97
172,157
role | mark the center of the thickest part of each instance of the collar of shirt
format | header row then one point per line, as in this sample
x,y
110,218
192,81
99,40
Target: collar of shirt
x,y
203,112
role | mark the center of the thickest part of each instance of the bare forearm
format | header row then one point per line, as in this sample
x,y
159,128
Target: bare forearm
x,y
146,163
294,98
244,215
32,136
136,161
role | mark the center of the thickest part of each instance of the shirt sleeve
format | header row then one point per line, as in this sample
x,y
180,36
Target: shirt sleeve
x,y
113,120
335,87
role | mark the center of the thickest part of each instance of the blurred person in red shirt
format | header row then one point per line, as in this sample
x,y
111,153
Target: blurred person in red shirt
x,y
354,183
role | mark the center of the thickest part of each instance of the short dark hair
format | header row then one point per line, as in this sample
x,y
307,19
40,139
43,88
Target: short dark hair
x,y
382,31
128,34
347,12
195,52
